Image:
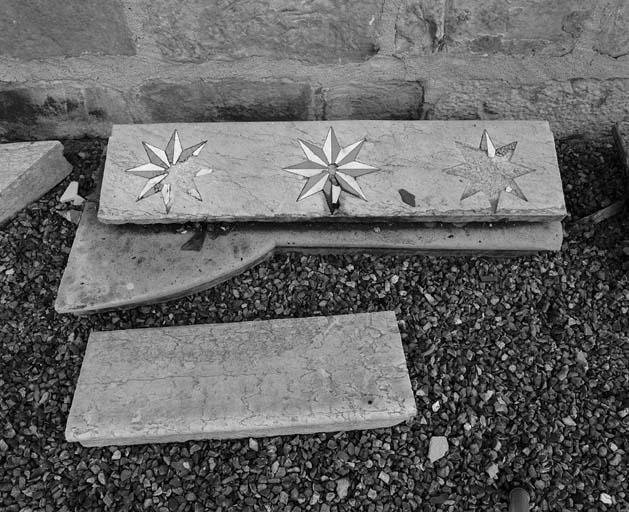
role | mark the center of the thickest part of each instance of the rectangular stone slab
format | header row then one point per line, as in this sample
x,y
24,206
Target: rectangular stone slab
x,y
112,266
426,171
27,171
248,379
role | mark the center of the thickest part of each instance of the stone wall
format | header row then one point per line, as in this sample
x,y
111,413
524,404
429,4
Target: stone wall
x,y
72,68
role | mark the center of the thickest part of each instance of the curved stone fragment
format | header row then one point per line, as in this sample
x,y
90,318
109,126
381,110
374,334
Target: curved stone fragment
x,y
114,266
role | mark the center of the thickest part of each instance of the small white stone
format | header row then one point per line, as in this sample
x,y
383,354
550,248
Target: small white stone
x,y
384,477
436,406
253,444
437,448
569,422
117,455
342,487
606,498
71,194
492,471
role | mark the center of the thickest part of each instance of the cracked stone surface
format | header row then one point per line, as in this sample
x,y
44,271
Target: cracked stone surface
x,y
248,182
113,266
246,379
27,171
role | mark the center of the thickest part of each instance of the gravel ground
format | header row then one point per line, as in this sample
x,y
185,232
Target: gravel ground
x,y
521,363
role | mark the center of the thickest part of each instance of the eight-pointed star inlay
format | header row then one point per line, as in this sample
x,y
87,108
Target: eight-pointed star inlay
x,y
331,169
489,169
163,170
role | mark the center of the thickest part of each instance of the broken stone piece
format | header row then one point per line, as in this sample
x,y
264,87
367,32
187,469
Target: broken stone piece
x,y
71,194
27,171
437,448
239,380
73,216
100,274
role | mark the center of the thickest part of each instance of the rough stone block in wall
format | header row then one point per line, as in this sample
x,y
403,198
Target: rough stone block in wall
x,y
393,99
321,31
227,100
525,27
58,110
37,29
613,38
574,106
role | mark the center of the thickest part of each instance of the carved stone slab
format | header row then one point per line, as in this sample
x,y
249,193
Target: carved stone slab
x,y
446,171
111,267
248,379
27,171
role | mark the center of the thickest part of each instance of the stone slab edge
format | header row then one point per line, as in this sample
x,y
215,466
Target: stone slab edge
x,y
370,340
94,279
620,132
34,182
248,182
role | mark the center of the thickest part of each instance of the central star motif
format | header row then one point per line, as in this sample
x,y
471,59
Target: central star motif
x,y
167,167
331,169
489,170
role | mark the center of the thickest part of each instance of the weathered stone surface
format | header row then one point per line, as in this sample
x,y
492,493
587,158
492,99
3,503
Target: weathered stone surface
x,y
248,379
249,181
612,36
228,100
37,29
525,27
27,171
395,99
112,266
312,30
57,110
576,106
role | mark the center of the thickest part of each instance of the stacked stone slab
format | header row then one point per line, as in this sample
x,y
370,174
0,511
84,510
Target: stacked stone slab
x,y
248,379
490,187
27,171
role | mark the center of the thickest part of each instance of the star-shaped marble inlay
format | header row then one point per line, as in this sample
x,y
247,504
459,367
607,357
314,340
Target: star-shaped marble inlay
x,y
331,169
489,169
168,167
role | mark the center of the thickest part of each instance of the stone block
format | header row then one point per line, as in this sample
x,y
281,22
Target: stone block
x,y
112,266
576,106
27,171
314,31
227,100
526,27
249,379
611,36
37,29
60,110
266,172
392,99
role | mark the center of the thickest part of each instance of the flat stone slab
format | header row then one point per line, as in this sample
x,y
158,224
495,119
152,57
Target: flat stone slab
x,y
445,171
111,267
249,379
27,171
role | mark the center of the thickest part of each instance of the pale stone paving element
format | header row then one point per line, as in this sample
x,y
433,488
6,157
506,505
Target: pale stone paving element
x,y
27,171
249,181
119,266
248,379
437,448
